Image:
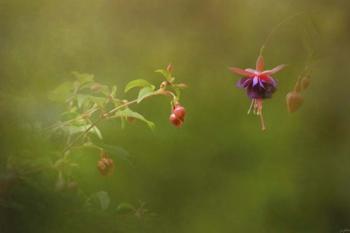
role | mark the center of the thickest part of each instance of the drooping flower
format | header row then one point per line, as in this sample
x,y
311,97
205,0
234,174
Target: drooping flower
x,y
258,84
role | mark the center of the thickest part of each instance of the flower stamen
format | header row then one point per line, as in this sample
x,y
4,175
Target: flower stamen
x,y
251,106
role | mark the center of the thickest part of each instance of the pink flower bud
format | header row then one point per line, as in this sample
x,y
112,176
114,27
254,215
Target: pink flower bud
x,y
175,120
179,111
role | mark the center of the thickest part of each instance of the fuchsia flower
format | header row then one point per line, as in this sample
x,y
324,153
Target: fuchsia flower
x,y
258,84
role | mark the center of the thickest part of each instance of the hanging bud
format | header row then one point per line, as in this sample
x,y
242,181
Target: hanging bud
x,y
169,68
177,116
105,165
294,101
175,120
179,112
305,82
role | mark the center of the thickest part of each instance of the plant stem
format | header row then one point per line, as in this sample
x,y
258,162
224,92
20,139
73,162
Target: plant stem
x,y
267,40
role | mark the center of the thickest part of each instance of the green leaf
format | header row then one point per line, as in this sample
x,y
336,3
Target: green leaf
x,y
116,151
72,129
145,92
165,74
137,83
125,208
60,183
129,113
104,199
114,91
62,92
98,100
66,116
83,78
81,99
97,132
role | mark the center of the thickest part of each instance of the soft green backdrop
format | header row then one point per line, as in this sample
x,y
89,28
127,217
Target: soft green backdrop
x,y
219,173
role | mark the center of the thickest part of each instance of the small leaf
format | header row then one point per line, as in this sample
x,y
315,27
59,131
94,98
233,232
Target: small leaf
x,y
114,91
66,116
72,129
145,92
81,99
97,132
104,199
125,208
60,183
62,92
116,151
166,74
129,113
83,78
137,83
97,100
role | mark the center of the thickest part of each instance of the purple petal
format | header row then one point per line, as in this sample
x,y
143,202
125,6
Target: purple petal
x,y
258,92
255,81
270,81
261,84
243,82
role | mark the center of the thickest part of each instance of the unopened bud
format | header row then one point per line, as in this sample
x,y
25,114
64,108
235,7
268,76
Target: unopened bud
x,y
179,111
305,82
294,101
170,68
175,120
105,165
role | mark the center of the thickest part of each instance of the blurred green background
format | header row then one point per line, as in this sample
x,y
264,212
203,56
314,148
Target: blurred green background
x,y
219,173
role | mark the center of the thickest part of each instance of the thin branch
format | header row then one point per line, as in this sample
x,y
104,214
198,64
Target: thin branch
x,y
267,40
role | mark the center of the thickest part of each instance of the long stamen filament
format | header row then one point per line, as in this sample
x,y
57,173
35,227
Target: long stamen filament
x,y
260,113
255,110
262,122
251,106
257,105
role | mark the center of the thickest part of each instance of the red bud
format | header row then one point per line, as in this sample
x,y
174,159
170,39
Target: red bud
x,y
105,165
179,111
175,120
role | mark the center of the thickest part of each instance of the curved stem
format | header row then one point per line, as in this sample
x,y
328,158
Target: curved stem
x,y
275,29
